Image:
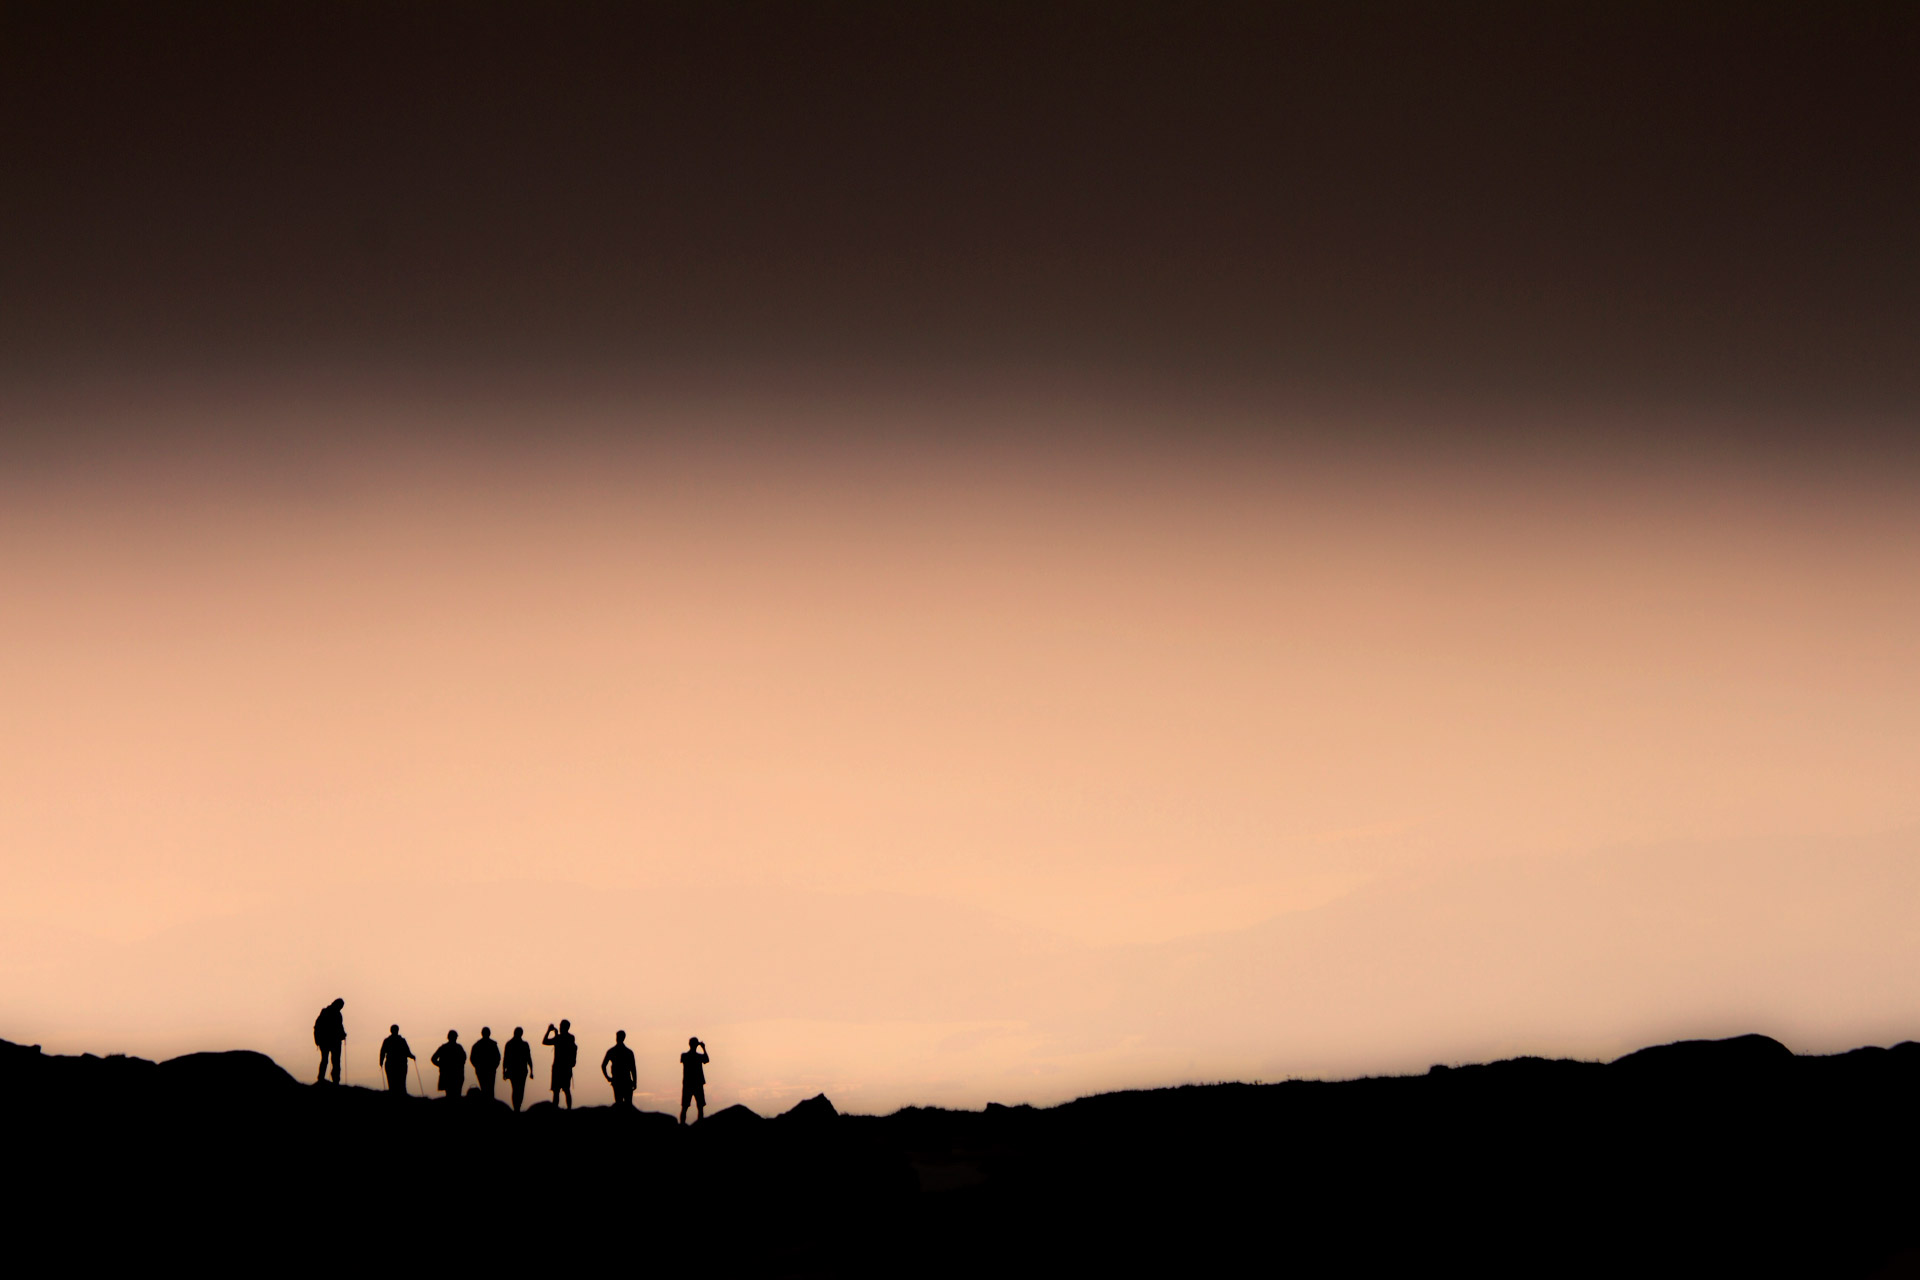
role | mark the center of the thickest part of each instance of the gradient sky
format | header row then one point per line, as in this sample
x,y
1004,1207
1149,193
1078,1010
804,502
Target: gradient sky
x,y
988,554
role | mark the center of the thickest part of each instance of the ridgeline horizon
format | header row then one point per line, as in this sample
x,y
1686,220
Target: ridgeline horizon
x,y
1704,1156
1750,1044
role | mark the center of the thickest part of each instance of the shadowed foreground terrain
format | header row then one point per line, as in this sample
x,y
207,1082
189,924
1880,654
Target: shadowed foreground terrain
x,y
1731,1156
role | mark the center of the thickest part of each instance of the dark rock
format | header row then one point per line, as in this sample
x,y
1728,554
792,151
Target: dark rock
x,y
1740,1055
235,1075
811,1111
729,1119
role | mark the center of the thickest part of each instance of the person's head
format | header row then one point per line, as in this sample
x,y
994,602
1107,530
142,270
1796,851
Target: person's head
x,y
619,1037
693,1042
485,1032
395,1028
338,1003
453,1035
516,1033
564,1024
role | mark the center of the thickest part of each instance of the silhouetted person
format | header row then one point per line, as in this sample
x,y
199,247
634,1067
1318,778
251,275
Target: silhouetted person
x,y
565,1054
329,1029
485,1057
394,1056
620,1070
452,1061
518,1065
693,1078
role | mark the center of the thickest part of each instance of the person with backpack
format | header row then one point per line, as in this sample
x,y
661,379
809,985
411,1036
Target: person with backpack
x,y
565,1054
394,1056
620,1070
329,1031
452,1061
485,1057
517,1065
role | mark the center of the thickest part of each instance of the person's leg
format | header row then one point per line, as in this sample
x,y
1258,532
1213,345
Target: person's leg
x,y
336,1064
519,1084
322,1073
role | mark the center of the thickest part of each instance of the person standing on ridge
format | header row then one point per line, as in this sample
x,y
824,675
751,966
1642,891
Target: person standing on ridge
x,y
624,1074
693,1077
394,1056
485,1057
452,1061
329,1030
517,1065
565,1054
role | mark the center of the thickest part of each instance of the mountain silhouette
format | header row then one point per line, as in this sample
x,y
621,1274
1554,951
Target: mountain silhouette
x,y
1727,1156
1709,1059
814,1111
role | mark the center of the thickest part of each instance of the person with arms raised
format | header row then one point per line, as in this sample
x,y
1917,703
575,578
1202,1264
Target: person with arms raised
x,y
693,1078
565,1054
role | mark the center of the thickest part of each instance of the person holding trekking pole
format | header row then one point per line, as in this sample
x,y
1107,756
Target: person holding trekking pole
x,y
394,1056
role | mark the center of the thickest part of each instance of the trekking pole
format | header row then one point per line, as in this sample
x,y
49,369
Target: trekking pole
x,y
417,1079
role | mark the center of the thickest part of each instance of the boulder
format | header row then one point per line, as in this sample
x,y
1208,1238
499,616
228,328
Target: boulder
x,y
811,1111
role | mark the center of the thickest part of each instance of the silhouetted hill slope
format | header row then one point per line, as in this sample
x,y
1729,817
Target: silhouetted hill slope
x,y
1703,1156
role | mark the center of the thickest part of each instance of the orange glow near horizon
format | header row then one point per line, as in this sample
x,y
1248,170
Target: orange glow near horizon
x,y
926,772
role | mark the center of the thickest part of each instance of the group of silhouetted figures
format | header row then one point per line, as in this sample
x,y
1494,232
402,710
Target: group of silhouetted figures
x,y
513,1060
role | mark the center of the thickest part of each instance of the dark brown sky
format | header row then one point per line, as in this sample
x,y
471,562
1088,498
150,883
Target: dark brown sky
x,y
1617,204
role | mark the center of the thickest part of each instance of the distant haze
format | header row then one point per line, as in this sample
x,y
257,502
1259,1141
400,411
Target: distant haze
x,y
918,764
